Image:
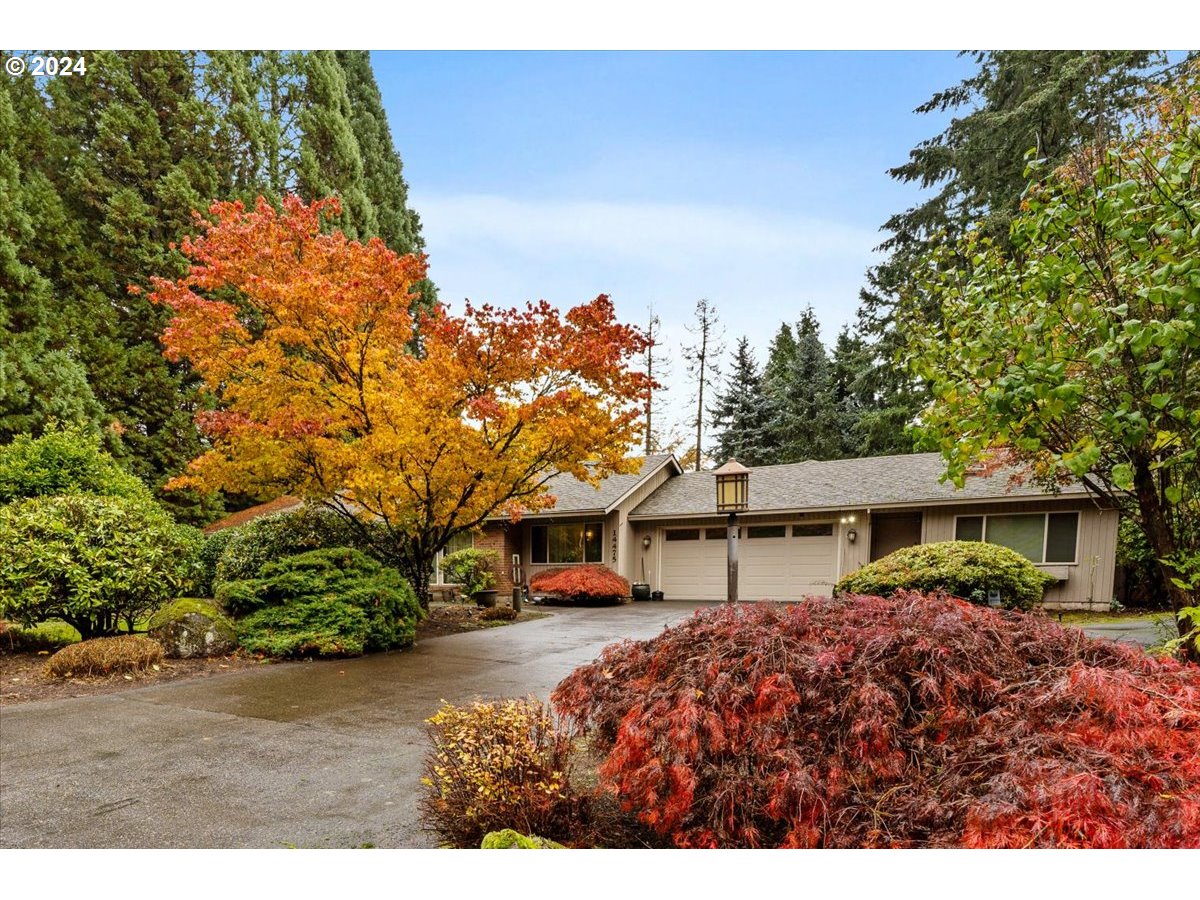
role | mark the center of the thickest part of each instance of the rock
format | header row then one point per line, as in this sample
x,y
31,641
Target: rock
x,y
191,628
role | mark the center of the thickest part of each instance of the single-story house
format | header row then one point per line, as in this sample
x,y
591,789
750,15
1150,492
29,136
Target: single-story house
x,y
808,524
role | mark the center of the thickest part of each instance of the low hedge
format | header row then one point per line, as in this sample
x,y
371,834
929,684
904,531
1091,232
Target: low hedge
x,y
337,602
966,569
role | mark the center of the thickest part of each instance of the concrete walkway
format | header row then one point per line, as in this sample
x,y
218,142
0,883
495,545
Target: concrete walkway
x,y
324,754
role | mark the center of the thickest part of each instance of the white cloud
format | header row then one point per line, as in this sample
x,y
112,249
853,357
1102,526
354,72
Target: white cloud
x,y
760,267
671,235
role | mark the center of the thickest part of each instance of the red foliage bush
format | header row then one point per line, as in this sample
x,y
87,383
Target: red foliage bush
x,y
914,721
581,583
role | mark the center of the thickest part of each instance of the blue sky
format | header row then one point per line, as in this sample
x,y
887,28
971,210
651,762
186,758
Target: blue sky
x,y
757,180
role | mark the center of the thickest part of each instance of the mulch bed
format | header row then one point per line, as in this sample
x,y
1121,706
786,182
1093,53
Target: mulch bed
x,y
455,618
22,678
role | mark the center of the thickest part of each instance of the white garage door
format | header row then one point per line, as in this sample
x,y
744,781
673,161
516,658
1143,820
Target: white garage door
x,y
775,562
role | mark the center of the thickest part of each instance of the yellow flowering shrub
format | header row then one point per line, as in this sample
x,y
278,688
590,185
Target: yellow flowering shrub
x,y
496,765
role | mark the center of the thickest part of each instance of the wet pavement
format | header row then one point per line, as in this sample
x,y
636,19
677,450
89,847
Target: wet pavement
x,y
320,754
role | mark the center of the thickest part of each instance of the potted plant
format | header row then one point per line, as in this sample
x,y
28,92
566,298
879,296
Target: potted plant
x,y
473,569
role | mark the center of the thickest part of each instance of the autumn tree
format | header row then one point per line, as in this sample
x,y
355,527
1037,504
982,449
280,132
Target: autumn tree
x,y
1076,349
303,341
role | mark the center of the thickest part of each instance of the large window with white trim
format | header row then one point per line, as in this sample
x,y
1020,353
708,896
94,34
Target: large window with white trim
x,y
461,541
1039,537
570,542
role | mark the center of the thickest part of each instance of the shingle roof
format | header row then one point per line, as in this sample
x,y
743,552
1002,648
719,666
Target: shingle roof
x,y
270,508
578,496
833,484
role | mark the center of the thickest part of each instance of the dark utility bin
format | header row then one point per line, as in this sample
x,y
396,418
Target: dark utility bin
x,y
657,595
641,590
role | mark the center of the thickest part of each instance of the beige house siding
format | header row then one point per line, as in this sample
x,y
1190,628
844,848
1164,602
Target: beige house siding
x,y
1089,581
630,553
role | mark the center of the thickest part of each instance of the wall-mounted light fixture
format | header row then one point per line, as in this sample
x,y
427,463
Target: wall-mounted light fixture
x,y
852,535
646,542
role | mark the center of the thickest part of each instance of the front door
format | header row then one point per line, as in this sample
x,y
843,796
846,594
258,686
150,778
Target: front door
x,y
892,531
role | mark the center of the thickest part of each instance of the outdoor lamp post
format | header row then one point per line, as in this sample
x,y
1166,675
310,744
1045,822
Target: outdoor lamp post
x,y
733,496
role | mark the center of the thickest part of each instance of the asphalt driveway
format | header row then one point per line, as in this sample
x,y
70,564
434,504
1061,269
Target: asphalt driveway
x,y
323,754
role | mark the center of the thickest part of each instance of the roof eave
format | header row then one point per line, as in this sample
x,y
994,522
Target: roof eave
x,y
907,504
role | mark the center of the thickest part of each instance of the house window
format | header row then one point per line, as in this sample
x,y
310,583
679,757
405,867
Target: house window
x,y
1039,537
825,530
458,542
716,534
766,531
682,534
571,542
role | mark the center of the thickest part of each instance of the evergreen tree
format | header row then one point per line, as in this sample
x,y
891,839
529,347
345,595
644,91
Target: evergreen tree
x,y
100,175
383,172
129,152
804,412
330,160
41,377
1047,102
739,412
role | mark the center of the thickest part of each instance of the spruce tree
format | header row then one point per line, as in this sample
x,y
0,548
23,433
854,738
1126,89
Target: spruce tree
x,y
739,412
804,410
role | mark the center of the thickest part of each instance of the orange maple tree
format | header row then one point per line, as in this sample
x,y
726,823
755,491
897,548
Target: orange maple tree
x,y
417,427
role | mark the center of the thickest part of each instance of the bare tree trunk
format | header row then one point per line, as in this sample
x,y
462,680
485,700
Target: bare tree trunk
x,y
1154,524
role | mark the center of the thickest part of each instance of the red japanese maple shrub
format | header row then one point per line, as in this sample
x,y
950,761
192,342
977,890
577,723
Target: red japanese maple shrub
x,y
913,721
581,583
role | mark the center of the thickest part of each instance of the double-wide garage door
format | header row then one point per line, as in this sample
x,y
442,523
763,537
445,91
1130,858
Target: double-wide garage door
x,y
775,562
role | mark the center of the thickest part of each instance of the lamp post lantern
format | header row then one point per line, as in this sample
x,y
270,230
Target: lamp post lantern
x,y
733,496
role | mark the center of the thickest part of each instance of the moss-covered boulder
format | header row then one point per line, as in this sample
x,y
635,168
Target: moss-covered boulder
x,y
190,628
514,840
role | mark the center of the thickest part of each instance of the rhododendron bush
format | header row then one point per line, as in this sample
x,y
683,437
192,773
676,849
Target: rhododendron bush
x,y
581,583
910,721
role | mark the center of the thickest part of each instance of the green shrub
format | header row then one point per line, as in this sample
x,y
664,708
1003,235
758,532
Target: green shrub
x,y
249,547
66,461
105,656
334,602
209,553
966,569
514,840
94,562
471,568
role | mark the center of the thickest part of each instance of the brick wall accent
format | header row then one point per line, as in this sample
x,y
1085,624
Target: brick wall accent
x,y
505,539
